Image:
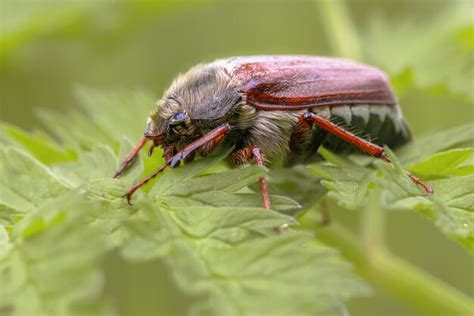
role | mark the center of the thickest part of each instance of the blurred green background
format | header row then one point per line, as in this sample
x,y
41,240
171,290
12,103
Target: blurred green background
x,y
49,47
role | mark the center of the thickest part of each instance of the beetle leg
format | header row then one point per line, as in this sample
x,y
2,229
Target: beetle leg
x,y
360,143
253,153
211,145
169,152
182,154
190,158
150,150
301,134
130,158
209,137
417,180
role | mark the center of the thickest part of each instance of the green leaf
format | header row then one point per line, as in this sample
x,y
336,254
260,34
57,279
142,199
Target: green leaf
x,y
204,241
202,220
450,208
191,185
432,143
103,118
346,182
19,192
455,162
97,163
41,271
38,144
234,256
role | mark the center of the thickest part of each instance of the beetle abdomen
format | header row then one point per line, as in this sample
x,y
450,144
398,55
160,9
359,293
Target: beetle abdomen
x,y
380,124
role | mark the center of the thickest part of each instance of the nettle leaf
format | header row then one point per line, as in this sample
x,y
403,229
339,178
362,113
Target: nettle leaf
x,y
49,250
451,207
97,163
92,174
234,256
19,193
202,220
425,146
450,173
48,260
455,162
103,118
253,274
38,144
232,253
346,182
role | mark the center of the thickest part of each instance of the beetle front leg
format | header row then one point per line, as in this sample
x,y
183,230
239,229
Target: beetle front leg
x,y
207,148
180,155
253,153
169,152
360,143
130,158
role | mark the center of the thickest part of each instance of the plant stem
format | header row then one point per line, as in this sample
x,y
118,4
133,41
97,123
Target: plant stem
x,y
420,290
339,28
373,224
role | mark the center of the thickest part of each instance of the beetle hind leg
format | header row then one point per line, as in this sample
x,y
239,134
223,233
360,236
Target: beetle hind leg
x,y
358,142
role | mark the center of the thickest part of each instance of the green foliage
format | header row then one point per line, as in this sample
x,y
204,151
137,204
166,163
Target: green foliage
x,y
450,173
455,162
65,214
61,216
200,232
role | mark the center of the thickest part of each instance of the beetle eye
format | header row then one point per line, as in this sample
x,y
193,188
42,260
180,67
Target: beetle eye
x,y
180,116
179,123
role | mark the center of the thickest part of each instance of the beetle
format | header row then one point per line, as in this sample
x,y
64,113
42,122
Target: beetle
x,y
274,106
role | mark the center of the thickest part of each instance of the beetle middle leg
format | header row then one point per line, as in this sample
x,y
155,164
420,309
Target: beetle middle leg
x,y
253,153
358,142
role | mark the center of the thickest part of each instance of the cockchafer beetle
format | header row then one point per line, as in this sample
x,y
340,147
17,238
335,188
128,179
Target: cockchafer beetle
x,y
274,106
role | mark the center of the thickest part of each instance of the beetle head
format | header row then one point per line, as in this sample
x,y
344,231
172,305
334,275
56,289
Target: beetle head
x,y
155,129
170,124
195,103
